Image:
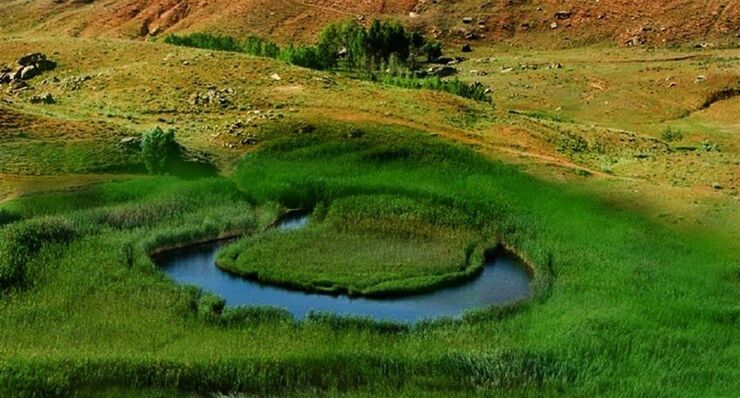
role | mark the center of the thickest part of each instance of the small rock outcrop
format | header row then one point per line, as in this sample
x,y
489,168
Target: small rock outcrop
x,y
45,98
28,67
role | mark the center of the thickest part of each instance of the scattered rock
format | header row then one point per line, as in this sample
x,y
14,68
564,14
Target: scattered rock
x,y
29,66
31,59
45,98
635,41
275,76
442,60
442,71
45,65
467,20
213,96
466,48
29,72
131,143
562,15
73,83
554,25
717,186
506,70
555,65
700,79
17,86
456,61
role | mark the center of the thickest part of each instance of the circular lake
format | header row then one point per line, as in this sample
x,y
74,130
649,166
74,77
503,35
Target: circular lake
x,y
503,279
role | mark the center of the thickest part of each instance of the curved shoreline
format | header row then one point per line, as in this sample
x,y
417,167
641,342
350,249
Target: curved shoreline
x,y
476,260
472,271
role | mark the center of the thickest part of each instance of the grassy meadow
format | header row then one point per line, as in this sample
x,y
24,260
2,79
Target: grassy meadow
x,y
622,306
612,172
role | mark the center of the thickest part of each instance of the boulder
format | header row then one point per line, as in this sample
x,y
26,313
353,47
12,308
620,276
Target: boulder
x,y
5,78
45,98
442,71
130,142
30,59
561,15
466,48
29,72
467,20
442,60
45,65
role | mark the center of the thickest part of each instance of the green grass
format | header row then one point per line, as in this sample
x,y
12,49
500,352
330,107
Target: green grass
x,y
364,245
623,306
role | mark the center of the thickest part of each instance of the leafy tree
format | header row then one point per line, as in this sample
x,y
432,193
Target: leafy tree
x,y
260,47
159,149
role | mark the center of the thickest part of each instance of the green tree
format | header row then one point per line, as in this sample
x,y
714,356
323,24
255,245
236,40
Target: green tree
x,y
159,149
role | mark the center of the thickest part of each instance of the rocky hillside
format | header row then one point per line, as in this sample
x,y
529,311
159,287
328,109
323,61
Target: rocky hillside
x,y
538,23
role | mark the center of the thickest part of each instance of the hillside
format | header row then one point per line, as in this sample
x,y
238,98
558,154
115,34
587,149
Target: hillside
x,y
546,23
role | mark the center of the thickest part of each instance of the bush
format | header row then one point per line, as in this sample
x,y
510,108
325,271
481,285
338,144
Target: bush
x,y
670,134
159,149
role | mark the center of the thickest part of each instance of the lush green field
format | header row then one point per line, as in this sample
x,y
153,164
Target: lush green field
x,y
622,306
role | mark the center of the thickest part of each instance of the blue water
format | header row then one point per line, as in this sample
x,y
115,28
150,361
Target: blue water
x,y
503,279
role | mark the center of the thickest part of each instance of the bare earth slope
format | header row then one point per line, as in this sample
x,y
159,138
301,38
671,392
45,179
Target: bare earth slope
x,y
544,23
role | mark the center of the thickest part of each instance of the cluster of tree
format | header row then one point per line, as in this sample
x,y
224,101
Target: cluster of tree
x,y
385,51
373,48
343,44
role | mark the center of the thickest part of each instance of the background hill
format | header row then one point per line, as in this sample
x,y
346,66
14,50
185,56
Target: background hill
x,y
538,23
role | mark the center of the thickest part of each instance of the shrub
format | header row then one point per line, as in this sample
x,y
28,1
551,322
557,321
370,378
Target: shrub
x,y
670,134
159,149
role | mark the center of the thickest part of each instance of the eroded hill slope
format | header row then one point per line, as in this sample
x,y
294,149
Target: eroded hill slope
x,y
543,23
